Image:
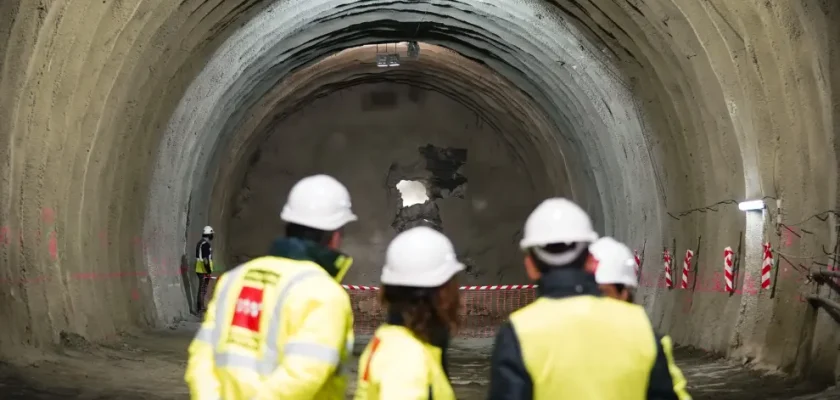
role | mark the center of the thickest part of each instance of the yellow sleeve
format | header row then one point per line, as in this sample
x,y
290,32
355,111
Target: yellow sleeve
x,y
399,370
677,376
201,372
312,354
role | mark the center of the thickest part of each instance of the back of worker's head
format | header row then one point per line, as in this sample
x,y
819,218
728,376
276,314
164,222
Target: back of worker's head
x,y
317,208
557,234
615,268
418,281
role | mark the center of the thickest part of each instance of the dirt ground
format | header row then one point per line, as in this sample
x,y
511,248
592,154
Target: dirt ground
x,y
151,366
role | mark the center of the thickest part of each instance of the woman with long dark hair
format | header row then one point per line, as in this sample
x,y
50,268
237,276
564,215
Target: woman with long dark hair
x,y
406,358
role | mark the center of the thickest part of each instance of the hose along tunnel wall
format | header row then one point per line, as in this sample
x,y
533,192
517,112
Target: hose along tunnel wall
x,y
124,121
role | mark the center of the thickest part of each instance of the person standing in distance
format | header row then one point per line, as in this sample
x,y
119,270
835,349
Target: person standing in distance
x,y
572,343
281,326
203,267
406,358
615,273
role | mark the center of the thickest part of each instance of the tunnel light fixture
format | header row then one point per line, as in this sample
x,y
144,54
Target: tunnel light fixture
x,y
751,205
412,192
382,60
393,60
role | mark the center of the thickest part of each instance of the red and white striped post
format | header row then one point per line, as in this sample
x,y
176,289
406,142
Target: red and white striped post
x,y
666,257
766,266
686,268
728,274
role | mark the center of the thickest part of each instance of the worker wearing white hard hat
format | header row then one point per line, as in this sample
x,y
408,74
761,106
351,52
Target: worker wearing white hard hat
x,y
203,266
281,326
406,358
615,268
615,272
572,342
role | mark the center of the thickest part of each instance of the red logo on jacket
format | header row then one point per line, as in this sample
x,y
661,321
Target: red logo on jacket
x,y
248,309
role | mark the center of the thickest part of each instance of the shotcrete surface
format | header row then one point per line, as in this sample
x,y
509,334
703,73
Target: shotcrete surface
x,y
118,120
151,366
370,148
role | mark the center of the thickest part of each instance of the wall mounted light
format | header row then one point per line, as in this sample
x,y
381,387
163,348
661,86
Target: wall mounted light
x,y
751,205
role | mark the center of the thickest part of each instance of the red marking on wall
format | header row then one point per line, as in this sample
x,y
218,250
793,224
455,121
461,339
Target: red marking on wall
x,y
789,236
5,232
48,215
53,245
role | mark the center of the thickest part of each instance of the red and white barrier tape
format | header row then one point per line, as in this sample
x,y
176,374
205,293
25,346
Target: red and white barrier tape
x,y
666,258
686,268
728,274
766,266
485,287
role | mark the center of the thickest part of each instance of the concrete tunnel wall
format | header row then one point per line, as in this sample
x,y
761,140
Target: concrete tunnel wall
x,y
116,115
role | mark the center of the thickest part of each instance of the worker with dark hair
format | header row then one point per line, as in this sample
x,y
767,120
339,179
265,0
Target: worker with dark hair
x,y
203,267
406,359
572,343
281,326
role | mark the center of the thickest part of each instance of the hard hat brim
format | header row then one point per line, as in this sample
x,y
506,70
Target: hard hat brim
x,y
329,223
427,279
527,243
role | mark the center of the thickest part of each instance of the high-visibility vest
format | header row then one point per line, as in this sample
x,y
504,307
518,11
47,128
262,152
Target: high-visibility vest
x,y
199,262
590,348
398,365
275,328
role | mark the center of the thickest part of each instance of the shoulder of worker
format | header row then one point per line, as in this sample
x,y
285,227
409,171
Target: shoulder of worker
x,y
398,344
604,305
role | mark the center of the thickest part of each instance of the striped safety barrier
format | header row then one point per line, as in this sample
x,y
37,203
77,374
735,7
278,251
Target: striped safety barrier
x,y
483,307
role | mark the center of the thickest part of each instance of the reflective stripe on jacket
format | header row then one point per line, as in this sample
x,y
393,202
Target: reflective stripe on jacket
x,y
397,366
573,344
275,329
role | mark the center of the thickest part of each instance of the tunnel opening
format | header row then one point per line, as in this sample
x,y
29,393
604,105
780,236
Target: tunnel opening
x,y
139,123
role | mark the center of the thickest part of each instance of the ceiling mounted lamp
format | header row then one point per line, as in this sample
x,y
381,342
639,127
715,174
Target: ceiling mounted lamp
x,y
382,60
393,60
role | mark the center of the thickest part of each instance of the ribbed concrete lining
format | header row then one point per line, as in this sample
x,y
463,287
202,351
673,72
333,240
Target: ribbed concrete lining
x,y
576,100
115,113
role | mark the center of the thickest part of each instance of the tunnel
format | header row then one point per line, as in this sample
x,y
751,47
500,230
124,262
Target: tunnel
x,y
128,125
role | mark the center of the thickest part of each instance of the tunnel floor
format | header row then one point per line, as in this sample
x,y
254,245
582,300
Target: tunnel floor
x,y
151,366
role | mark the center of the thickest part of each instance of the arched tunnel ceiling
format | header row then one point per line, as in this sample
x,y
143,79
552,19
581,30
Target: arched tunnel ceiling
x,y
117,116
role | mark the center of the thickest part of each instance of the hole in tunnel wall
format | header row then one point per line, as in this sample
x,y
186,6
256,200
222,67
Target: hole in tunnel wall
x,y
371,152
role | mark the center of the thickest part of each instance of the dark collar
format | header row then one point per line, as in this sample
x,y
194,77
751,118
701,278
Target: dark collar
x,y
565,281
304,250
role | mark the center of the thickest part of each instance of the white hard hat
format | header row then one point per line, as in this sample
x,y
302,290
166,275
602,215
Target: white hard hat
x,y
420,257
557,220
616,264
320,202
207,230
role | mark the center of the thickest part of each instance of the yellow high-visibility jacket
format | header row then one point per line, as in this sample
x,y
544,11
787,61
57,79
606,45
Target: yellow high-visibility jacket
x,y
276,328
396,365
573,344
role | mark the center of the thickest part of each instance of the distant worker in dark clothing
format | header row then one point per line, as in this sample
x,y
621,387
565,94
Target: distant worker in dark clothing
x,y
203,267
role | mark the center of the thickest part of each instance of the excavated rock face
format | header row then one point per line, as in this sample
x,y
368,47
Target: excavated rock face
x,y
128,125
